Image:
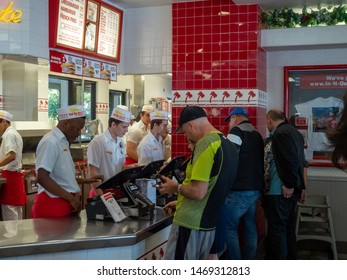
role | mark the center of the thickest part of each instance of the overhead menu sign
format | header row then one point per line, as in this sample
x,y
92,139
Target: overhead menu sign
x,y
89,27
71,19
76,65
108,32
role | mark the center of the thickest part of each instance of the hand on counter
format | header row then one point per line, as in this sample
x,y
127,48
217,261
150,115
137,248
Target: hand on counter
x,y
94,179
75,202
170,208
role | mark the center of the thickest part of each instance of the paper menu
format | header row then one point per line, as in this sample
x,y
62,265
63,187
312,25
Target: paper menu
x,y
112,206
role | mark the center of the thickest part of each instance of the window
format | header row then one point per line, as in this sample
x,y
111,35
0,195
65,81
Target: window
x,y
116,98
314,94
64,91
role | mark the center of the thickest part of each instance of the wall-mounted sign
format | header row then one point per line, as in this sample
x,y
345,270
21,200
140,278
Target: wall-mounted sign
x,y
108,72
108,32
71,23
323,81
76,65
9,15
65,63
89,27
91,68
315,93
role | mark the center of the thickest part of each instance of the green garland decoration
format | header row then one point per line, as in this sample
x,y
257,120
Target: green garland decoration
x,y
287,18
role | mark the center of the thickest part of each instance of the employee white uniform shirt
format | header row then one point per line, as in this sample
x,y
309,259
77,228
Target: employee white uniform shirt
x,y
107,154
137,132
12,142
150,149
53,154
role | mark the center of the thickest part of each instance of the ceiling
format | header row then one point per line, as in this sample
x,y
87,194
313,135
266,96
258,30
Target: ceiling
x,y
264,4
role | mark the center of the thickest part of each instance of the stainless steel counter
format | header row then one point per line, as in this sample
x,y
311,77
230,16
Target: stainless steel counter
x,y
39,236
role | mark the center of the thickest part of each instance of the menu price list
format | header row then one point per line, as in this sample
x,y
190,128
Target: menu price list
x,y
71,23
108,32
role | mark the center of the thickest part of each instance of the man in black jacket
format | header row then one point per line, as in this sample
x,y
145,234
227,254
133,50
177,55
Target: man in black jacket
x,y
241,202
284,180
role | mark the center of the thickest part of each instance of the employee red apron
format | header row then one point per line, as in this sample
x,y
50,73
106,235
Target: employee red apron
x,y
13,192
129,161
49,207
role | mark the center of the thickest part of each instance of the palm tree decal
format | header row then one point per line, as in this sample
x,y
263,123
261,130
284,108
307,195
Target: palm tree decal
x,y
213,95
251,94
225,95
238,94
201,94
176,95
188,96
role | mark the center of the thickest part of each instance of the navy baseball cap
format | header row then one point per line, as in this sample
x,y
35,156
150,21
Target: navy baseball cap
x,y
188,114
237,111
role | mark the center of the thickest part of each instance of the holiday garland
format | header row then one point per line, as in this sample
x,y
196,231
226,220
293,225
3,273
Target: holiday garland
x,y
287,18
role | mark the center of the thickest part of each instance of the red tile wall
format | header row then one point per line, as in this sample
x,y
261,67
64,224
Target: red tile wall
x,y
216,45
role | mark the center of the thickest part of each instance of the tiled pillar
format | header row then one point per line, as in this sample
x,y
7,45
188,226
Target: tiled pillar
x,y
217,63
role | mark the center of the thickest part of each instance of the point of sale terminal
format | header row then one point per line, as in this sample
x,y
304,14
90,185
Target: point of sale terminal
x,y
138,195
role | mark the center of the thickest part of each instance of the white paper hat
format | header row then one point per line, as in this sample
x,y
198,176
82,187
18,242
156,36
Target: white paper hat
x,y
121,113
147,108
159,115
133,117
71,112
5,115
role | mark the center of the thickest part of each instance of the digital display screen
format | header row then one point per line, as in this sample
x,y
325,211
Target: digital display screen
x,y
133,187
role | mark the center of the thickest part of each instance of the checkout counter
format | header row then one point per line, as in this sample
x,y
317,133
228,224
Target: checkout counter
x,y
79,238
143,233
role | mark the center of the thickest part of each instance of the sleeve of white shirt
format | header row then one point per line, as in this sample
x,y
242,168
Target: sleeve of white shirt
x,y
11,143
46,155
94,153
144,153
134,135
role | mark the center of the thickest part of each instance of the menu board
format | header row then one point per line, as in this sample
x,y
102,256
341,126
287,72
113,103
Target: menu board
x,y
108,72
87,27
71,19
108,34
65,63
91,68
75,65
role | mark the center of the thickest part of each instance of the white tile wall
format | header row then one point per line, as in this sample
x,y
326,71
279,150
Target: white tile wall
x,y
30,36
276,60
147,40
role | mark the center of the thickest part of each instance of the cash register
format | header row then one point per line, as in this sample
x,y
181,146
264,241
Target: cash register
x,y
132,201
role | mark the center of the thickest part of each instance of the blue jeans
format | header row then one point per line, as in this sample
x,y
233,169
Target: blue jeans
x,y
241,205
